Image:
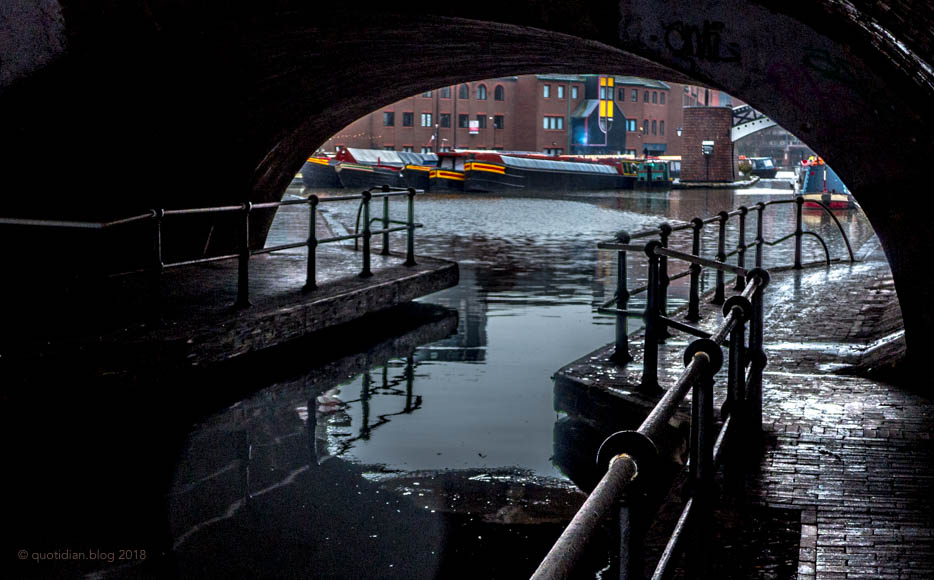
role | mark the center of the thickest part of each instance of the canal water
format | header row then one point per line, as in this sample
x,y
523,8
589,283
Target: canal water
x,y
431,453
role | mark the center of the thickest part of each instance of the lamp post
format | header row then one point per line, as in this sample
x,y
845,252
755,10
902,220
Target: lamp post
x,y
707,150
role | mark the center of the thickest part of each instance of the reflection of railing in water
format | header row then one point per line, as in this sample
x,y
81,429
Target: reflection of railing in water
x,y
628,453
158,266
412,403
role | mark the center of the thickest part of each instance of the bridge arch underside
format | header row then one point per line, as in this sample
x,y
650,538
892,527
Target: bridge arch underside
x,y
111,109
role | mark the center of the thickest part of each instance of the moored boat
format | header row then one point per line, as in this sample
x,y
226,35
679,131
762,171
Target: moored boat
x,y
762,166
318,172
448,174
366,168
493,172
820,183
653,173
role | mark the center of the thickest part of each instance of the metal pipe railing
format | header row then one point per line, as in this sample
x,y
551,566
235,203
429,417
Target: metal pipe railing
x,y
158,265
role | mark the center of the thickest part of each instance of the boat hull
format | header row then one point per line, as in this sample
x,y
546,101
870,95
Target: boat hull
x,y
445,180
417,176
487,177
365,177
320,174
831,200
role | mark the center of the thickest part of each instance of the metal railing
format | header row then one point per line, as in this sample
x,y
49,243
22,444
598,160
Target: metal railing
x,y
628,454
158,216
622,294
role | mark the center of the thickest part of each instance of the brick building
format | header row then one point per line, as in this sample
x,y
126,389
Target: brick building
x,y
553,114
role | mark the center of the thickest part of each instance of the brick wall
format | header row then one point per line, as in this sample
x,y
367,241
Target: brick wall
x,y
707,124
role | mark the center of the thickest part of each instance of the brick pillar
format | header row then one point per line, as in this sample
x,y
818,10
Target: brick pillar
x,y
707,124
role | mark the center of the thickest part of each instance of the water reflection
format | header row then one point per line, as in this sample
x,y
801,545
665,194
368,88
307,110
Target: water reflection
x,y
406,456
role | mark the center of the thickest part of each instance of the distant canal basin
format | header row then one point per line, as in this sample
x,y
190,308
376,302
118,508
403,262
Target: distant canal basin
x,y
437,461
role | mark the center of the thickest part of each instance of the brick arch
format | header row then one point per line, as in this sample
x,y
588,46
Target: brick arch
x,y
212,104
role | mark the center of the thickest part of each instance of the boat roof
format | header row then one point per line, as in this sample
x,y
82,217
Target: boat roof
x,y
547,164
385,157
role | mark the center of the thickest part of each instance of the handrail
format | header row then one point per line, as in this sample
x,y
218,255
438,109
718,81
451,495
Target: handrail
x,y
158,265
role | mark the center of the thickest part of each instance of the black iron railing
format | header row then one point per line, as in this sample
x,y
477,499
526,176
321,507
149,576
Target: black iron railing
x,y
158,216
626,454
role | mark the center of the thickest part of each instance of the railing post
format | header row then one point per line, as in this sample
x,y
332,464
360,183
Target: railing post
x,y
310,275
719,294
243,265
621,354
631,534
753,410
702,439
410,242
799,231
650,351
158,266
366,272
663,282
760,241
694,299
385,251
741,247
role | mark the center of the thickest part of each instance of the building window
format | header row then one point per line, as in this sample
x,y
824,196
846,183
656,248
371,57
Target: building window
x,y
426,149
573,92
463,92
560,91
554,152
498,122
445,119
645,97
481,92
635,95
602,93
654,97
481,121
407,148
631,125
426,119
661,126
554,123
645,126
546,91
407,119
463,121
427,94
499,93
445,92
389,119
661,98
654,127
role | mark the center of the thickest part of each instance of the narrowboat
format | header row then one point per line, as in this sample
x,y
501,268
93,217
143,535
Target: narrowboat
x,y
653,173
762,166
626,168
366,168
319,172
820,183
493,172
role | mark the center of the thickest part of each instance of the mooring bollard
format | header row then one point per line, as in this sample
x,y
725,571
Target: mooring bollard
x,y
366,235
760,241
243,266
310,274
663,282
719,293
410,242
741,247
650,351
799,230
694,299
621,354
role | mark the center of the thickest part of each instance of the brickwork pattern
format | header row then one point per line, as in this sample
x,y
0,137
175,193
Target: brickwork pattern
x,y
707,124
